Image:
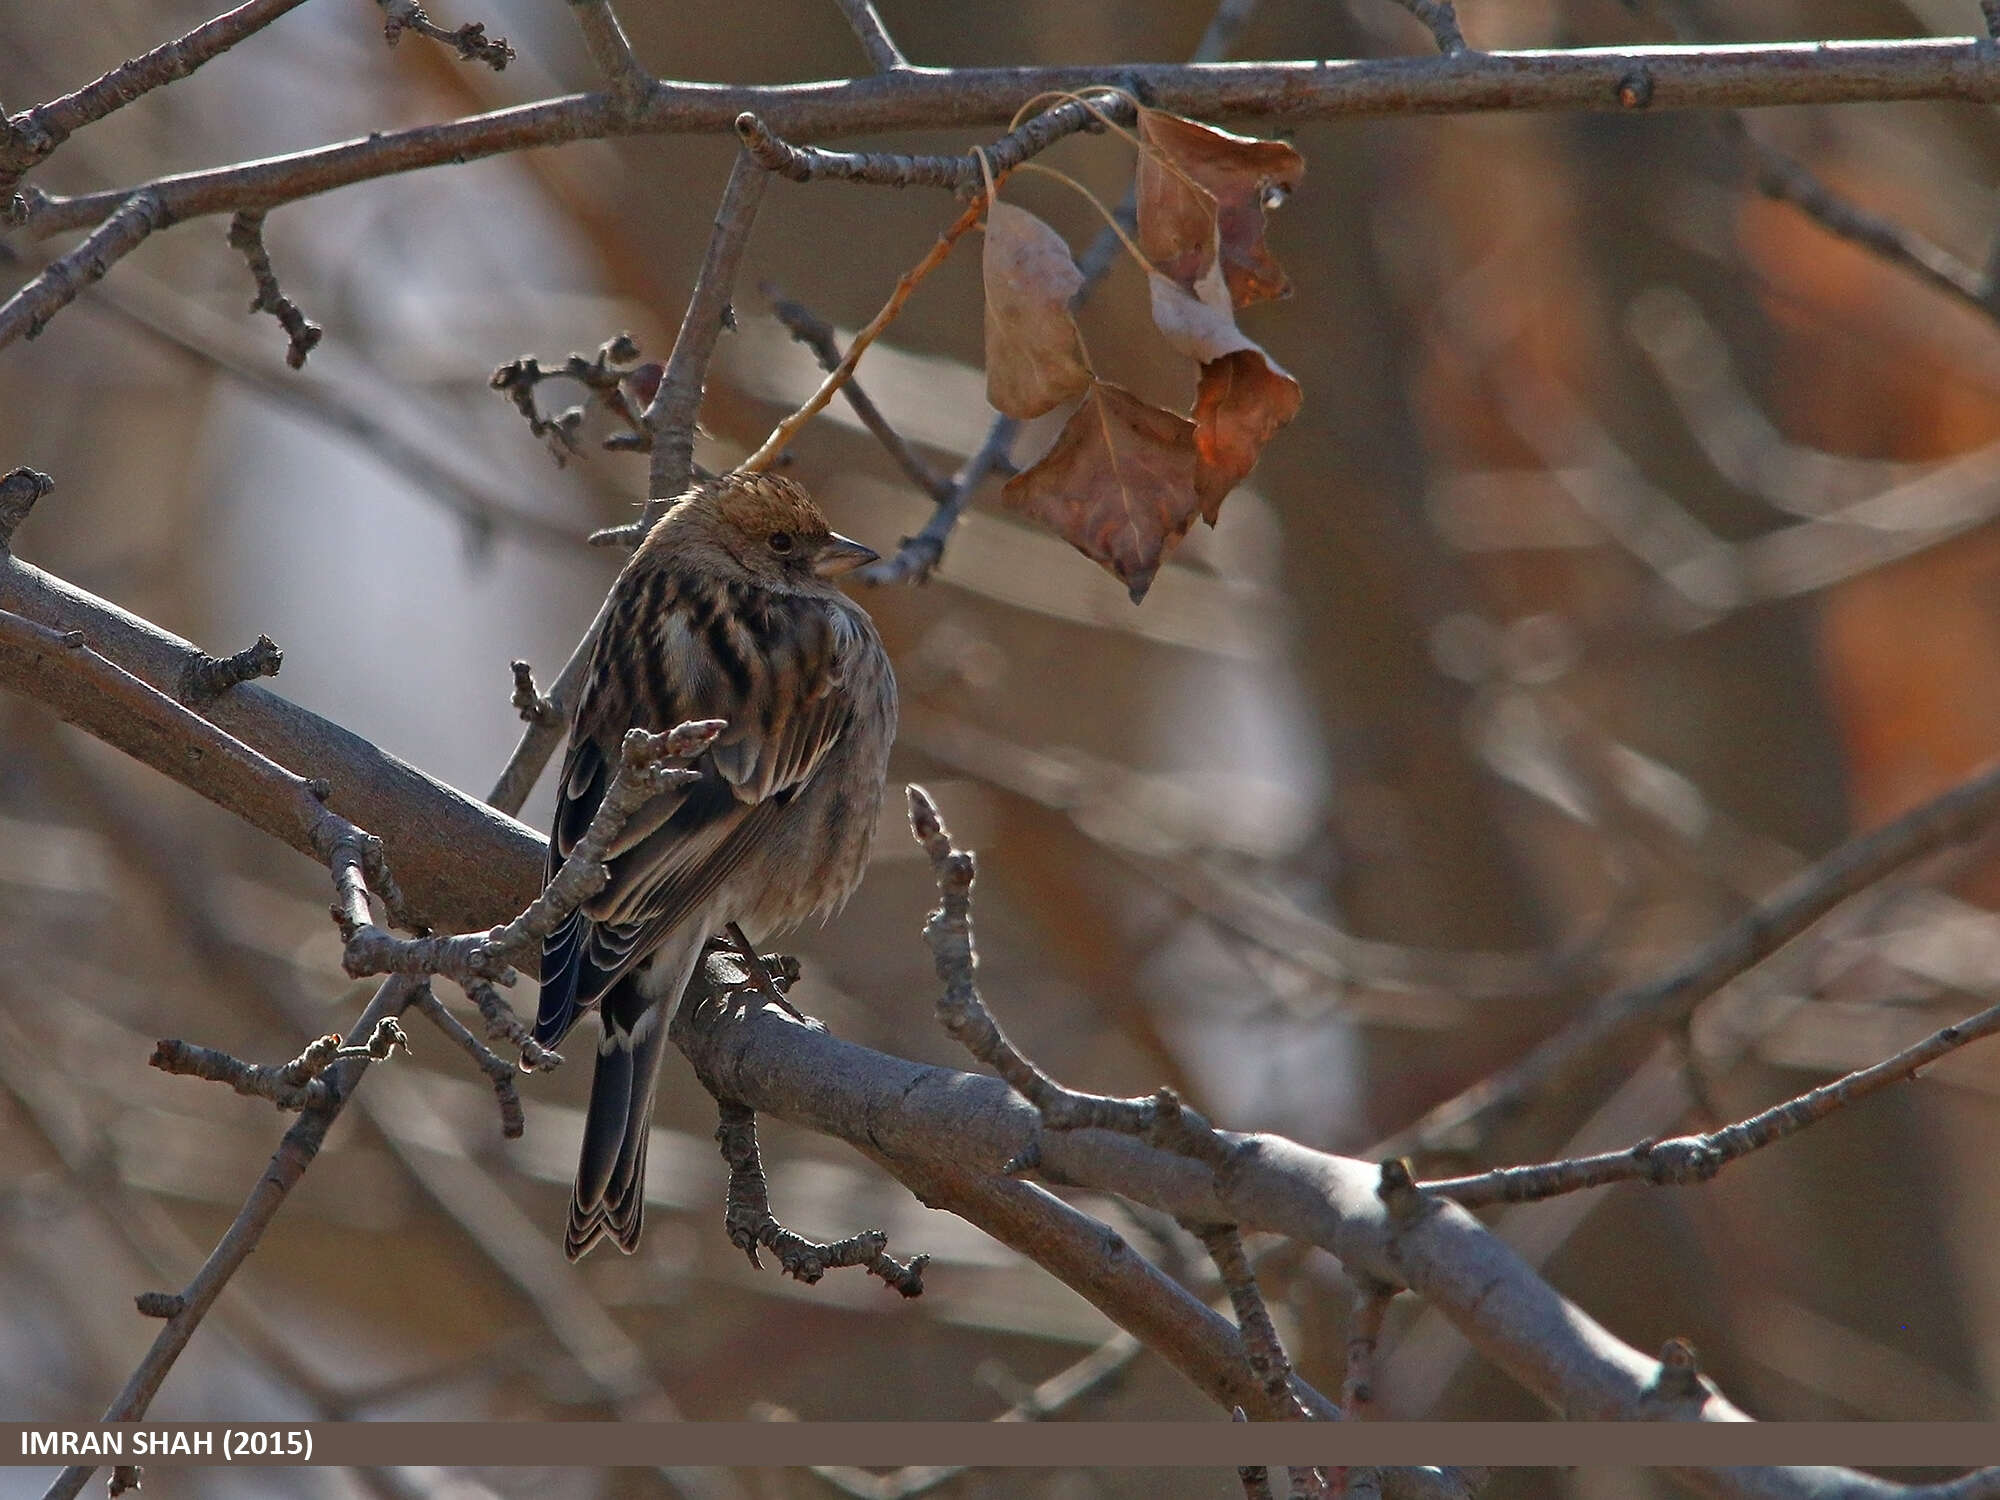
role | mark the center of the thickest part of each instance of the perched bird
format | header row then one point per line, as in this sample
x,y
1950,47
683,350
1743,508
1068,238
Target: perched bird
x,y
727,611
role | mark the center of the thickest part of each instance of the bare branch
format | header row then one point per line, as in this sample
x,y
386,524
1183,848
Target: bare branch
x,y
747,1216
1442,20
246,234
27,312
1697,1158
611,51
607,375
1665,1001
648,764
19,490
883,54
462,864
470,41
295,1153
892,169
1161,1120
499,1072
1787,180
817,335
1681,77
782,435
670,416
528,700
1365,1318
30,137
1261,1345
210,676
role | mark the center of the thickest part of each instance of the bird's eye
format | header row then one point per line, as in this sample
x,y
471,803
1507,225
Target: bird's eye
x,y
781,542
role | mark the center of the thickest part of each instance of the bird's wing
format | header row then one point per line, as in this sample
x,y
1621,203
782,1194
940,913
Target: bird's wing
x,y
773,668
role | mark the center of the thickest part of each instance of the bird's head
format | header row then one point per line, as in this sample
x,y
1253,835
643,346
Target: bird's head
x,y
764,525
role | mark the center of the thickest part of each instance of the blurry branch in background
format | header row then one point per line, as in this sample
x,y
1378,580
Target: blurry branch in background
x,y
1693,1159
1459,1124
941,1122
817,335
295,1153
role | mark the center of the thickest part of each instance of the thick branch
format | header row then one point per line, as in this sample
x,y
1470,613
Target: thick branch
x,y
1678,77
611,51
461,864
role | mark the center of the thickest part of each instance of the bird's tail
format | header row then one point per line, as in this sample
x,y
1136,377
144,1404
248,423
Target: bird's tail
x,y
610,1196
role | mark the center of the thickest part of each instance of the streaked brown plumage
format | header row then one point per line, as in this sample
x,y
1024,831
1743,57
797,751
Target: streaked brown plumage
x,y
727,611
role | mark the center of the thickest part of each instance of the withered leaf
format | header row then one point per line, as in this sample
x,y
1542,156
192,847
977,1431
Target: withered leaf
x,y
1118,485
1240,173
1200,324
1034,359
1242,400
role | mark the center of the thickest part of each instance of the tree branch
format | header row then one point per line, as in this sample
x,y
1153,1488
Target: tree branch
x,y
30,137
670,416
883,54
461,864
28,311
1680,77
1460,1122
1697,1158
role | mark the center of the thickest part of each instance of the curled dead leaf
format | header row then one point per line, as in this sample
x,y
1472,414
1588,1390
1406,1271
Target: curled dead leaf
x,y
1200,324
1034,357
1118,484
1242,400
1239,175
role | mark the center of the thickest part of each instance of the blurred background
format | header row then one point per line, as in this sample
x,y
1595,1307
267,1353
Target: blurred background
x,y
1631,550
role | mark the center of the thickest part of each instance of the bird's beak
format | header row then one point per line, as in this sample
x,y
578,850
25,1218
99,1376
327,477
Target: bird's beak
x,y
838,555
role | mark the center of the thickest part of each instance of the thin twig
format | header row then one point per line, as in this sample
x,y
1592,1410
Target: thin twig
x,y
670,415
1261,1345
817,335
883,53
528,700
782,435
747,1215
499,1072
27,312
1161,1120
295,1153
1460,1122
892,169
470,41
604,374
28,138
246,235
1697,1158
648,764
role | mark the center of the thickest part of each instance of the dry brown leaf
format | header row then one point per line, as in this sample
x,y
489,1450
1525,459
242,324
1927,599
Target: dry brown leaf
x,y
1118,485
1200,324
1034,358
1243,399
1239,174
